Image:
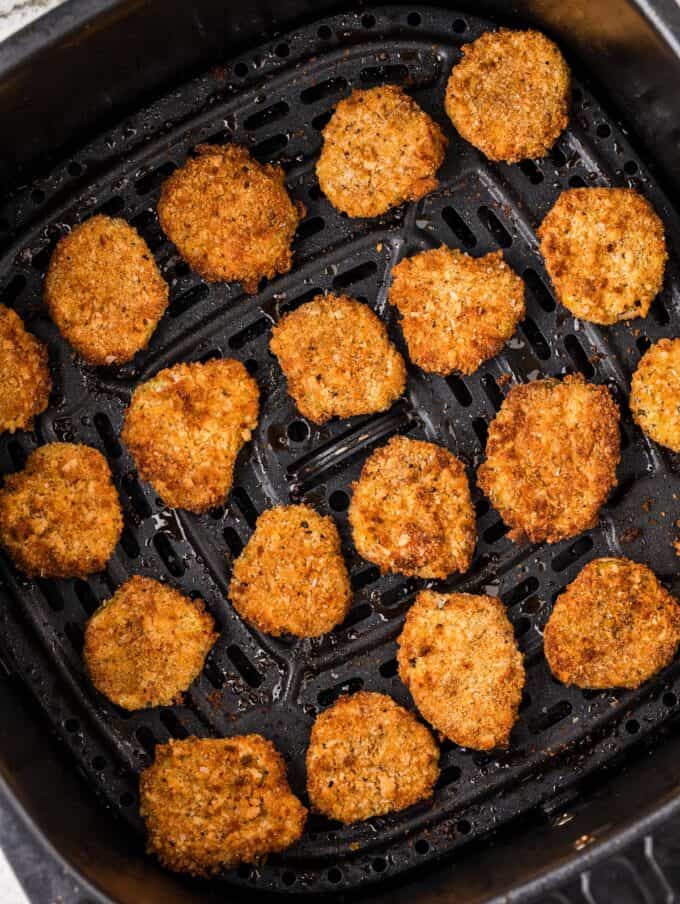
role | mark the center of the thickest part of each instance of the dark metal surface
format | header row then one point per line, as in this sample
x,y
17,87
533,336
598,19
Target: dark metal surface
x,y
276,100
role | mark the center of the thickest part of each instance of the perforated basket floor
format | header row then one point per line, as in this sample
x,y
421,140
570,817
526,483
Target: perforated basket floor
x,y
276,100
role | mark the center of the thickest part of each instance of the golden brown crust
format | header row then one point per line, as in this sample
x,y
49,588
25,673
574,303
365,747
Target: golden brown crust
x,y
291,577
104,290
230,217
551,458
380,149
210,804
368,756
615,625
147,644
61,517
411,510
459,659
337,359
605,252
457,311
24,374
509,95
186,426
655,393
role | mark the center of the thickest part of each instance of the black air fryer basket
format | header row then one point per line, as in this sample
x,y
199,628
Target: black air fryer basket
x,y
100,102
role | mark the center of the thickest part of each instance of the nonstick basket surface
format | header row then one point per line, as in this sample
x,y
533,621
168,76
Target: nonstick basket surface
x,y
276,100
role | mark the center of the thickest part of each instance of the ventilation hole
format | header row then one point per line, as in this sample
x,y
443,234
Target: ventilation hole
x,y
334,875
17,454
643,343
108,435
551,717
578,356
521,591
319,123
233,541
251,366
389,669
245,667
246,335
659,312
165,549
448,776
493,225
558,157
324,33
481,428
458,227
521,626
52,594
377,75
422,846
495,532
72,725
188,299
355,275
245,504
331,694
414,19
327,88
576,182
459,26
492,391
268,115
214,674
213,355
310,227
630,167
111,208
536,339
532,605
460,391
136,495
525,702
244,871
146,738
153,179
464,827
288,877
298,431
339,501
531,171
40,260
632,726
86,597
379,865
126,799
539,290
367,20
603,130
74,169
75,634
357,614
669,699
129,544
365,577
270,147
282,50
13,289
568,556
99,763
481,507
172,723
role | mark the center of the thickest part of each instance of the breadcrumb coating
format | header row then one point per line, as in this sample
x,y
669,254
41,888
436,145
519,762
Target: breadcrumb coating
x,y
104,290
655,393
509,95
337,358
456,311
615,625
459,659
380,149
230,217
605,252
147,644
411,510
24,374
368,756
60,517
210,804
291,577
186,426
551,458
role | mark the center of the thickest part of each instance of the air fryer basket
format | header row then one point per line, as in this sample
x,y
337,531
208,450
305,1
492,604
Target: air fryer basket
x,y
276,99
